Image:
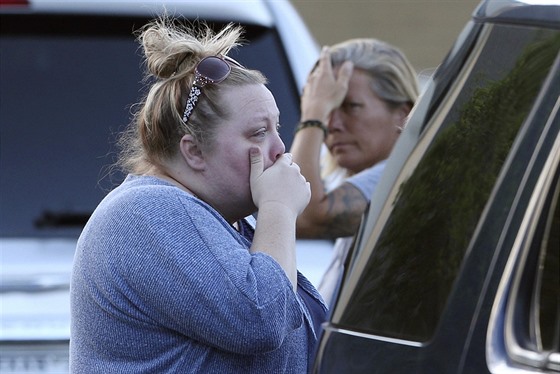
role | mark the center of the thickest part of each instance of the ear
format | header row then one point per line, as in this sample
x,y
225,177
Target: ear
x,y
404,111
401,114
192,154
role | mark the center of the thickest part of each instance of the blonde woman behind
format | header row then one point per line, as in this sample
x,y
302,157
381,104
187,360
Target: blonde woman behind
x,y
356,102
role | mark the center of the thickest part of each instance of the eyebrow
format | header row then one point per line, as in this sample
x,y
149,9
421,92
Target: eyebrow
x,y
266,119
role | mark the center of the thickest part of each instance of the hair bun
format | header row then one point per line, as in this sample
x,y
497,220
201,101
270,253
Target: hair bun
x,y
170,48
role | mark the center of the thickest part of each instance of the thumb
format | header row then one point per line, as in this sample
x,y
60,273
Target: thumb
x,y
257,166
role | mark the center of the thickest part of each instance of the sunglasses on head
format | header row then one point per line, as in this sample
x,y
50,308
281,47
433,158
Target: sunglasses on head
x,y
210,70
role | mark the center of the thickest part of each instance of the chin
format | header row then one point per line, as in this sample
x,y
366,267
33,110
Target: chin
x,y
346,163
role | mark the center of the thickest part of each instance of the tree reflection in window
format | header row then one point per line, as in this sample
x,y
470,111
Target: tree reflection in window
x,y
408,278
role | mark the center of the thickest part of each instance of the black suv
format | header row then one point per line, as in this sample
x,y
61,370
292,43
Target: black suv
x,y
455,268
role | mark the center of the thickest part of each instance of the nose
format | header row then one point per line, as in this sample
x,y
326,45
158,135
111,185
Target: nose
x,y
278,148
336,122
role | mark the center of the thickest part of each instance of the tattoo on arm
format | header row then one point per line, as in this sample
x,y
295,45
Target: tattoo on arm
x,y
346,206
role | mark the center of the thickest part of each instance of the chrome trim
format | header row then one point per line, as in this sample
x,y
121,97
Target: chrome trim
x,y
36,283
333,329
501,344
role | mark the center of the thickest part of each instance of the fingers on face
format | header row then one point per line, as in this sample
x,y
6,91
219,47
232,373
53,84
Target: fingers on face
x,y
288,157
296,166
325,59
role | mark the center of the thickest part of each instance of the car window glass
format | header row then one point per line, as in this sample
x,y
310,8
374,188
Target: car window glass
x,y
409,276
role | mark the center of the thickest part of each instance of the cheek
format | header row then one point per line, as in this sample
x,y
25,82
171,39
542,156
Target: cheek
x,y
230,161
377,126
239,166
238,162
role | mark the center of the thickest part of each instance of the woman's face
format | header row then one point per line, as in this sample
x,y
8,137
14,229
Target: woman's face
x,y
253,121
363,130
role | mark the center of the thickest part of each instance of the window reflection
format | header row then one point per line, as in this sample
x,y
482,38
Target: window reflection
x,y
410,274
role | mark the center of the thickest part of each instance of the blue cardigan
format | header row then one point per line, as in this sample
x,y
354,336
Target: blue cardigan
x,y
163,284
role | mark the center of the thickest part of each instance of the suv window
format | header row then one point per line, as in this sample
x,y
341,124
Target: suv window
x,y
410,273
67,88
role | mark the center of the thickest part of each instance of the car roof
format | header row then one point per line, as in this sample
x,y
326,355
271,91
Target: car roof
x,y
300,45
527,12
246,11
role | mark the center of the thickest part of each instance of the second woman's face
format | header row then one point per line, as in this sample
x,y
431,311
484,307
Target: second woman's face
x,y
253,122
363,130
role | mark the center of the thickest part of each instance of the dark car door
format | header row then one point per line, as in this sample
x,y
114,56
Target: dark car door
x,y
453,270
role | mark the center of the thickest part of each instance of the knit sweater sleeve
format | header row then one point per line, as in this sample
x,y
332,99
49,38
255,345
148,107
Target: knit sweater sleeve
x,y
165,259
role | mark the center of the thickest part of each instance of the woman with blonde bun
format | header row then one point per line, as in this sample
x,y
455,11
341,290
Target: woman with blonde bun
x,y
172,274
